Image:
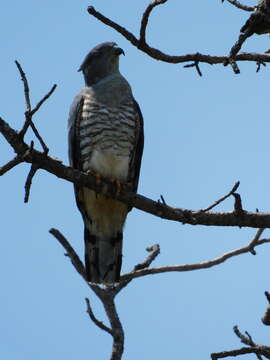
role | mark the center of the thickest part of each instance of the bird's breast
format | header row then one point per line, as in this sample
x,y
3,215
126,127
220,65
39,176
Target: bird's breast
x,y
107,138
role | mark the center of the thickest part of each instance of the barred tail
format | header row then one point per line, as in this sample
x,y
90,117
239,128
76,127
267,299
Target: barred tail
x,y
103,257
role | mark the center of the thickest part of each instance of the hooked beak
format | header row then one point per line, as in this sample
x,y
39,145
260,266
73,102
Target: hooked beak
x,y
119,51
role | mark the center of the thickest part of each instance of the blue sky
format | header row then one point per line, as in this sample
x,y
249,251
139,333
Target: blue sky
x,y
202,135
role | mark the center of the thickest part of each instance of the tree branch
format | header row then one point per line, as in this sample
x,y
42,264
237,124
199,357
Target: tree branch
x,y
28,182
145,18
154,252
71,253
241,6
29,111
10,165
191,267
97,322
55,167
159,55
242,351
232,191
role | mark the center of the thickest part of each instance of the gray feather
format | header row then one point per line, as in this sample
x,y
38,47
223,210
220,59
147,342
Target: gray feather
x,y
105,136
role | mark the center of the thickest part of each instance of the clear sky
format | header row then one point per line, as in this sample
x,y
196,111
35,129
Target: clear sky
x,y
202,135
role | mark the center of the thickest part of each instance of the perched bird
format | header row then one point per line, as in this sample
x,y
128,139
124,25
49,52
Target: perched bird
x,y
105,138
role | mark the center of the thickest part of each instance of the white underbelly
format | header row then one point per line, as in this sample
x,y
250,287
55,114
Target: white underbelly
x,y
109,164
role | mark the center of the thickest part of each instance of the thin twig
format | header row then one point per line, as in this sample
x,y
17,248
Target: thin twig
x,y
25,85
255,240
196,65
10,165
244,339
190,267
234,188
145,18
97,322
247,340
45,97
28,182
241,6
29,112
42,143
154,252
77,263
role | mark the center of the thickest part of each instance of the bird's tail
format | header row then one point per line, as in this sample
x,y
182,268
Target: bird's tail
x,y
103,257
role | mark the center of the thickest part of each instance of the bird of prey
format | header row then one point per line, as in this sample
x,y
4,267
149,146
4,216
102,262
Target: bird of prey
x,y
105,138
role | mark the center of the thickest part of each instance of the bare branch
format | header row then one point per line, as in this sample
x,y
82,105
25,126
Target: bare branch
x,y
255,240
45,97
10,165
191,267
154,252
241,6
247,340
242,351
145,17
234,188
76,262
29,112
28,182
237,47
97,322
196,65
128,35
47,163
42,143
159,55
25,85
117,328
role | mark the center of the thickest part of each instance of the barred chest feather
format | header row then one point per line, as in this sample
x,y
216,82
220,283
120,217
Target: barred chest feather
x,y
107,137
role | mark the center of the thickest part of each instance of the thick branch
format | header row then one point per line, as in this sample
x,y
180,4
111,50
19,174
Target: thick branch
x,y
45,162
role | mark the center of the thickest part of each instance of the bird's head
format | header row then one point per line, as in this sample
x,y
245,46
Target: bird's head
x,y
100,62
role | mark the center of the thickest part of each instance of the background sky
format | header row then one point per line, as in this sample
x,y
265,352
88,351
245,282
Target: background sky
x,y
201,136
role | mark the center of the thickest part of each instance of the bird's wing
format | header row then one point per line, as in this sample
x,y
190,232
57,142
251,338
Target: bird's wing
x,y
135,161
73,145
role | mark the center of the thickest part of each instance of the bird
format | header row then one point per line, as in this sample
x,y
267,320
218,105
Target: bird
x,y
105,138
